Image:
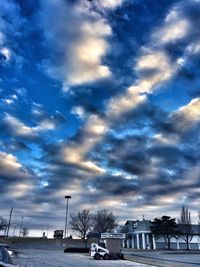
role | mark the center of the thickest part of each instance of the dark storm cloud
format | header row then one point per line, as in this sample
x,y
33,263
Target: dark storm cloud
x,y
16,181
145,114
178,124
191,9
115,185
7,128
159,168
58,173
93,97
129,156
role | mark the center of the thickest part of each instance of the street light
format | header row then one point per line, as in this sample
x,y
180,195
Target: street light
x,y
67,197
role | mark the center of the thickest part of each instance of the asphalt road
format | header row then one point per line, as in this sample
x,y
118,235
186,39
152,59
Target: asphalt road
x,y
47,258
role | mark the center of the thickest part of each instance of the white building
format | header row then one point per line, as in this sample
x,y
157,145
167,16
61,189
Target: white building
x,y
139,236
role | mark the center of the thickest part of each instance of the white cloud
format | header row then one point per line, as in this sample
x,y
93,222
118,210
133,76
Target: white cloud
x,y
10,100
109,3
9,162
155,61
169,139
191,112
44,125
94,130
17,126
79,111
194,48
83,47
176,26
172,31
6,52
20,129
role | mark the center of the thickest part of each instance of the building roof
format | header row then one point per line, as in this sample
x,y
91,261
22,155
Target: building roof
x,y
144,225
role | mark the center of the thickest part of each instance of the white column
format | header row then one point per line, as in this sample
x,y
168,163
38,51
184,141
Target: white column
x,y
123,243
177,243
154,242
138,241
133,241
148,245
143,241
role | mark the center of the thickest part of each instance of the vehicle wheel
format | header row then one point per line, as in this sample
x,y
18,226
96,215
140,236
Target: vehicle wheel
x,y
97,256
106,257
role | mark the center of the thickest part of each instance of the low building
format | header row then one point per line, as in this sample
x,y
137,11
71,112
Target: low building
x,y
139,236
58,234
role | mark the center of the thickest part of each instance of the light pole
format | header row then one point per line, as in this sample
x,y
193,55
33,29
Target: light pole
x,y
67,197
8,228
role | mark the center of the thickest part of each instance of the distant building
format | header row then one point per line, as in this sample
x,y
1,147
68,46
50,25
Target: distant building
x,y
58,234
139,236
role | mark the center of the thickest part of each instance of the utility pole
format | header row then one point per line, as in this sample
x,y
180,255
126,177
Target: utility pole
x,y
21,225
66,233
8,228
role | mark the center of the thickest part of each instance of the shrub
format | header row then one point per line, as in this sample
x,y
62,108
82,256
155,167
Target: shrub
x,y
75,249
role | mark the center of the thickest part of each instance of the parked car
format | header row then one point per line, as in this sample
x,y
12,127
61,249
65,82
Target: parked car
x,y
5,257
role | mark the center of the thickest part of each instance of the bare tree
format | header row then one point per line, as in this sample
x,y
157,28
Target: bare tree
x,y
104,221
185,226
3,224
25,231
82,222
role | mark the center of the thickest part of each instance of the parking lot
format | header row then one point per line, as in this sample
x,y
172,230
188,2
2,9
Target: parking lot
x,y
48,258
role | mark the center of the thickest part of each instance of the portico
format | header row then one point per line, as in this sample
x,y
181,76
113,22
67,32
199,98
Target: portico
x,y
140,240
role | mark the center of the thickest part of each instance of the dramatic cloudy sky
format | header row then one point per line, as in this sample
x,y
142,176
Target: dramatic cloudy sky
x,y
100,100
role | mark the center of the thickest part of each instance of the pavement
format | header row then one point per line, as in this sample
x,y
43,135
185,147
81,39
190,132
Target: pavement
x,y
46,258
164,258
134,258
